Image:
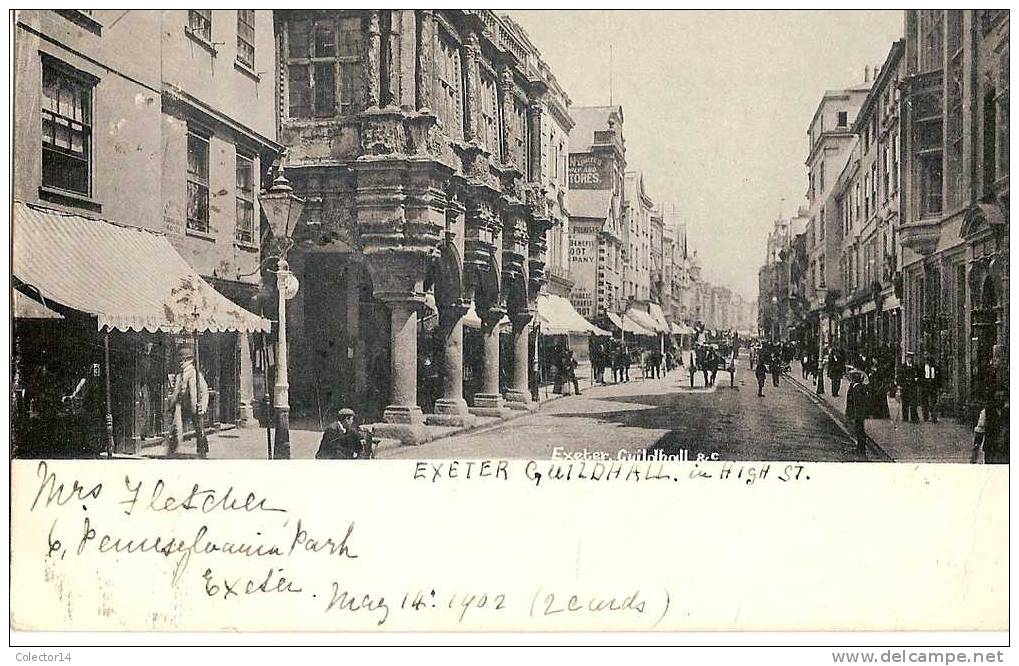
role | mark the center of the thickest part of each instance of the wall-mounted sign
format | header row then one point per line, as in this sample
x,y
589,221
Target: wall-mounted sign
x,y
589,172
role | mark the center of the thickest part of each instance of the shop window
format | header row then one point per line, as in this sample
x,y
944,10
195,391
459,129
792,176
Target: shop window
x,y
198,182
66,129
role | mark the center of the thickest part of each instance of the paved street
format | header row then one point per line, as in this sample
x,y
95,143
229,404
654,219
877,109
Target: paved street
x,y
663,414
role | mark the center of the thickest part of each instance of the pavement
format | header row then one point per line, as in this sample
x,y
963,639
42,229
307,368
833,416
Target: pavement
x,y
900,441
666,415
233,443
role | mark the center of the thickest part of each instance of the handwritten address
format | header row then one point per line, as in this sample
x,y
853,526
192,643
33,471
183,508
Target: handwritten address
x,y
228,544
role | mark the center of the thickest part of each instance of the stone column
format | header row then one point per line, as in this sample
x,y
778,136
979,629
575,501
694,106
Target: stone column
x,y
370,63
505,89
472,85
245,386
425,58
451,408
403,418
489,401
518,396
391,64
534,129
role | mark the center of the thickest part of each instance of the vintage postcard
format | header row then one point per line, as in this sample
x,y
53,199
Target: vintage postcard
x,y
509,320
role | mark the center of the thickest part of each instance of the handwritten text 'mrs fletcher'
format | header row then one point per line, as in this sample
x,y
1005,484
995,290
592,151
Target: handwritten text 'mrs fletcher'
x,y
78,534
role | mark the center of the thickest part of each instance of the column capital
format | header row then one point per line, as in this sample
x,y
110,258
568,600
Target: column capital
x,y
491,316
521,318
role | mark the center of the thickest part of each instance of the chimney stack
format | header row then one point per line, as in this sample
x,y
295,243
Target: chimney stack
x,y
866,73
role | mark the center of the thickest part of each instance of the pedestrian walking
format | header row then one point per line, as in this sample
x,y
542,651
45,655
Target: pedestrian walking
x,y
777,363
857,408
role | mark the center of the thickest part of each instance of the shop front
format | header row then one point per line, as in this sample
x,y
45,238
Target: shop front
x,y
96,379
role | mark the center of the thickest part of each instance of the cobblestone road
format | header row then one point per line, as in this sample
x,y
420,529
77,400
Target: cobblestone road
x,y
663,414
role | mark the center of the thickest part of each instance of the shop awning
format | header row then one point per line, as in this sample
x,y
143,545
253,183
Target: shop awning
x,y
557,316
131,279
682,329
628,325
659,317
645,321
25,307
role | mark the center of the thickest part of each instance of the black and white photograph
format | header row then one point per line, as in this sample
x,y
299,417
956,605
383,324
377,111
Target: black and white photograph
x,y
477,245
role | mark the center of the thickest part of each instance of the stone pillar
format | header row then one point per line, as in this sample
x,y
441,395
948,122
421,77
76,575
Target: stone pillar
x,y
451,408
489,402
391,63
246,384
472,82
403,418
425,58
518,396
505,89
534,129
370,63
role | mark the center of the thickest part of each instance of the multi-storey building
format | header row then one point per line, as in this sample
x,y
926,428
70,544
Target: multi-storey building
x,y
555,166
830,143
424,142
596,173
865,203
156,120
637,213
954,195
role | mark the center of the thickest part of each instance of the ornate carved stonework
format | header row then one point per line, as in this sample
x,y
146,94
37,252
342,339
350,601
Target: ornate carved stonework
x,y
425,58
382,133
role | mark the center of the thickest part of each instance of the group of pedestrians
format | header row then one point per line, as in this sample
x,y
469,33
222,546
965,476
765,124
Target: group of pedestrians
x,y
618,357
769,358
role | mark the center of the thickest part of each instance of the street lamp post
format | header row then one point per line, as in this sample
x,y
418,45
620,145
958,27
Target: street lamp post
x,y
282,210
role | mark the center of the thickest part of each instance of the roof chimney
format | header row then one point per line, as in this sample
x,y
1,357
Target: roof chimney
x,y
866,74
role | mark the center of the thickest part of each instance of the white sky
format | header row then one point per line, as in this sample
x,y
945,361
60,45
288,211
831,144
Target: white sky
x,y
716,106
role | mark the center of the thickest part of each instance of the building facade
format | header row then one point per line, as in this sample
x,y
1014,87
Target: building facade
x,y
596,176
831,141
954,196
865,203
422,142
174,138
638,210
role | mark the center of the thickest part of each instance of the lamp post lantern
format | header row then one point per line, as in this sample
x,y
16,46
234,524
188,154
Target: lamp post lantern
x,y
282,210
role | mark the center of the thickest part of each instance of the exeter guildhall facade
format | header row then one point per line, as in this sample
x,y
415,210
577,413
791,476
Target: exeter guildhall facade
x,y
416,137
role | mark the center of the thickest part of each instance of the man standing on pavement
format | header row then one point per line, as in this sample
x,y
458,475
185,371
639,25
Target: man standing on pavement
x,y
836,370
930,387
908,381
189,393
762,375
777,362
857,408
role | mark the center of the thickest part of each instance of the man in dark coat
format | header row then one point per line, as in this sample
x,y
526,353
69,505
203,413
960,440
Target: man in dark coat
x,y
777,363
836,370
761,372
908,382
341,441
857,408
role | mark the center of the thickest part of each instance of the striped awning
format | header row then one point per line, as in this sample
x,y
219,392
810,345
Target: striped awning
x,y
130,279
557,316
